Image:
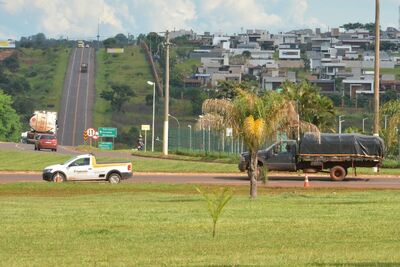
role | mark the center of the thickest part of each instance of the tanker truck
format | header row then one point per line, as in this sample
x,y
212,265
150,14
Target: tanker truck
x,y
42,122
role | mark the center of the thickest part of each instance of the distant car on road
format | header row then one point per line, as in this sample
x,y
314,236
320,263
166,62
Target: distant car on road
x,y
84,67
46,141
87,45
85,167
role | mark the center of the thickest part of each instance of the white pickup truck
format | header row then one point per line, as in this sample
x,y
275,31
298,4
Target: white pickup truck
x,y
85,168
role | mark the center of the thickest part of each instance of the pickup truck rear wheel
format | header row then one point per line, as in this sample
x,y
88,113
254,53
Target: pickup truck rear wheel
x,y
114,178
338,173
58,177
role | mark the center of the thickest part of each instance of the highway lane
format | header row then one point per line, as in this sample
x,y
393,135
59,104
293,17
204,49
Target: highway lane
x,y
77,99
275,180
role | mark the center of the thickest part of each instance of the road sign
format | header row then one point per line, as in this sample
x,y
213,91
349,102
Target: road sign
x,y
107,132
95,137
106,145
85,136
145,127
91,132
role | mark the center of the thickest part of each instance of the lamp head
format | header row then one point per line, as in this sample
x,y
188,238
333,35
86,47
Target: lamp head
x,y
150,83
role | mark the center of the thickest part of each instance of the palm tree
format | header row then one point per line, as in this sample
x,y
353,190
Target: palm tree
x,y
390,135
255,119
312,106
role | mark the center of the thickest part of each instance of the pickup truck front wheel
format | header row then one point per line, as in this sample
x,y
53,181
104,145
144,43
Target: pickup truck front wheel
x,y
114,178
338,173
58,177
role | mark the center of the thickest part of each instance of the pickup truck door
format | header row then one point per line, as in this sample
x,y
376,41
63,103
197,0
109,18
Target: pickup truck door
x,y
282,157
80,169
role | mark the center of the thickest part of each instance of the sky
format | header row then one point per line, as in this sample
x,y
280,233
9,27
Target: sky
x,y
79,19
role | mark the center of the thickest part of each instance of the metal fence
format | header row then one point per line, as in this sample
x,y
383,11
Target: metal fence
x,y
205,140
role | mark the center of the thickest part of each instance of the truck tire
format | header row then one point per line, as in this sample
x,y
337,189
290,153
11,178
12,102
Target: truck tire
x,y
58,177
114,178
338,173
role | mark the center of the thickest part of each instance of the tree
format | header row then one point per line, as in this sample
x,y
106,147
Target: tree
x,y
11,62
118,95
312,106
121,39
391,109
246,54
255,119
109,42
10,126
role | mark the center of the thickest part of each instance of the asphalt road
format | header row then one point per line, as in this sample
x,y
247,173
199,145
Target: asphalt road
x,y
77,98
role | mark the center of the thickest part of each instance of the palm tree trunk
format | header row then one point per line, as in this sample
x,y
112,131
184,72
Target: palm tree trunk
x,y
253,174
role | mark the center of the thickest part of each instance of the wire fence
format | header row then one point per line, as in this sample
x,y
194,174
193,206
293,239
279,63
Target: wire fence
x,y
202,141
206,140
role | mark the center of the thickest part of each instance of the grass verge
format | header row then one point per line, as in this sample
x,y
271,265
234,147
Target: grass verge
x,y
155,225
36,161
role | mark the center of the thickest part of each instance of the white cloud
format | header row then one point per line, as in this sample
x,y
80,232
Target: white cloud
x,y
75,17
162,15
231,15
14,6
299,18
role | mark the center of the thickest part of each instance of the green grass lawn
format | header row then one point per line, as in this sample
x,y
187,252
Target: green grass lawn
x,y
163,225
34,161
130,68
45,71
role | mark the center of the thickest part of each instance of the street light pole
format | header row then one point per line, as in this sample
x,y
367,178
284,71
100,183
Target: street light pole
x,y
179,130
363,124
152,125
166,99
190,137
340,123
386,121
209,138
202,131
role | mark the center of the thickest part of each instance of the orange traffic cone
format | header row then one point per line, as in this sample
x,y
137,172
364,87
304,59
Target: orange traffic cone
x,y
306,183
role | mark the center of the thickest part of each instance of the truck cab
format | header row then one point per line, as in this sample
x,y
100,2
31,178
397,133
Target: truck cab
x,y
280,156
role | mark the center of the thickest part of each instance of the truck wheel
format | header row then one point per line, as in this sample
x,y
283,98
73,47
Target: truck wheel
x,y
338,173
114,178
58,177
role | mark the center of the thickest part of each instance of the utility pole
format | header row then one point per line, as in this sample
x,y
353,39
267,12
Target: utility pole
x,y
166,99
377,67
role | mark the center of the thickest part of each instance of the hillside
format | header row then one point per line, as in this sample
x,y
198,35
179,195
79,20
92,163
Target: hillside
x,y
34,78
131,68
